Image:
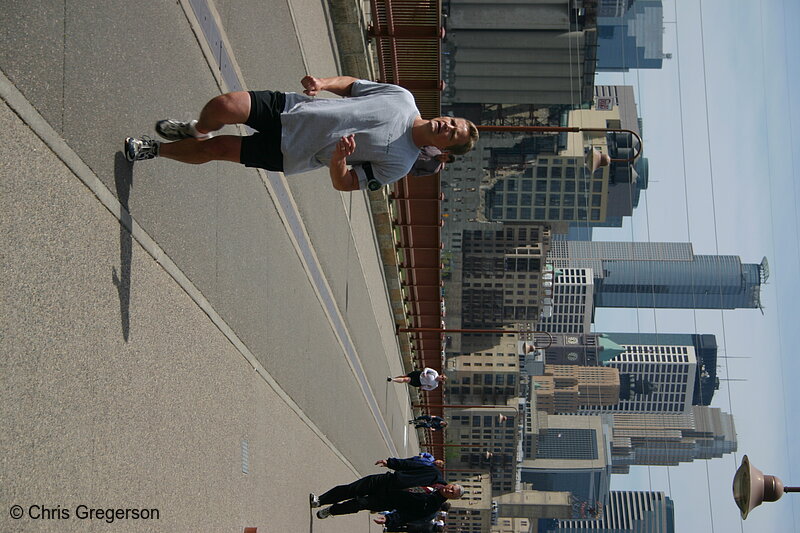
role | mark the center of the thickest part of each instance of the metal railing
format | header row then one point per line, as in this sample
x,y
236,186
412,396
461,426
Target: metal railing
x,y
407,36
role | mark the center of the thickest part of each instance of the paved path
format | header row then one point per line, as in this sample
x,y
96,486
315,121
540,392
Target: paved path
x,y
208,341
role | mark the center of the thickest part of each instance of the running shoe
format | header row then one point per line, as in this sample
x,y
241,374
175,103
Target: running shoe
x,y
140,149
313,501
176,130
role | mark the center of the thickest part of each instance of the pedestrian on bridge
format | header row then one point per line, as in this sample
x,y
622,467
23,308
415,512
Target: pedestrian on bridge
x,y
414,488
377,129
428,459
434,423
426,379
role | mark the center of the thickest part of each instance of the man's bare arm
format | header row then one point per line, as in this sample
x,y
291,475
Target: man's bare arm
x,y
342,178
340,85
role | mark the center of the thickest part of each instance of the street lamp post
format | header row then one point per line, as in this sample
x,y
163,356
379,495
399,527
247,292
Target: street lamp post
x,y
751,487
570,129
497,331
463,406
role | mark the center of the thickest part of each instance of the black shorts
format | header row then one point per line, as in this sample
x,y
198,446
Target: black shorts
x,y
263,149
415,382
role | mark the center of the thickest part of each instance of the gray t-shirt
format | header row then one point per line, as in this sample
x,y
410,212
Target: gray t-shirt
x,y
380,116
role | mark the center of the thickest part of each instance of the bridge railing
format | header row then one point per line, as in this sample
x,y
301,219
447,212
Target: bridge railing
x,y
407,37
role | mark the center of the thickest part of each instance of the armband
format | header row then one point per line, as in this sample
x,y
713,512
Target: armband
x,y
372,183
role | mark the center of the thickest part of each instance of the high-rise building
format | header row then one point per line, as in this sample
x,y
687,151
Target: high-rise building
x,y
487,429
545,52
472,513
666,275
667,439
632,39
486,377
533,504
634,511
557,188
502,278
705,350
567,453
507,524
565,388
571,307
623,195
654,378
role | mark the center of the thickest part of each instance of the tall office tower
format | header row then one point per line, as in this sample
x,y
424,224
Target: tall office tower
x,y
565,388
495,430
532,504
623,195
663,275
558,189
668,439
502,278
473,512
567,453
654,378
545,52
634,39
489,377
572,305
705,350
634,511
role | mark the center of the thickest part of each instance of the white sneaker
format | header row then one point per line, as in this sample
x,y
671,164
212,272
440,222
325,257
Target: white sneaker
x,y
176,130
313,501
140,149
324,513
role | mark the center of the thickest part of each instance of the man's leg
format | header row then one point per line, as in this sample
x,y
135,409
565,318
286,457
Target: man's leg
x,y
229,108
361,487
195,151
349,507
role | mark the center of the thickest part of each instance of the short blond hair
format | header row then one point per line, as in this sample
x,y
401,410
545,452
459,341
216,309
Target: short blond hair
x,y
461,149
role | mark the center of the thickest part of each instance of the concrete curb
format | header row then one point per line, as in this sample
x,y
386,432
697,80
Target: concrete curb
x,y
349,21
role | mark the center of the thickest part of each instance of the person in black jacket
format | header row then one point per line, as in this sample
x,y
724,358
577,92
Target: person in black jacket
x,y
435,423
378,492
413,503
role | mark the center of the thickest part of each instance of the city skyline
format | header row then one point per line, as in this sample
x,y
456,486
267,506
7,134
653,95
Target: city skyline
x,y
718,129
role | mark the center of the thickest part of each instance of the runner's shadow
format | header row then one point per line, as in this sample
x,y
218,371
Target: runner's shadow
x,y
123,179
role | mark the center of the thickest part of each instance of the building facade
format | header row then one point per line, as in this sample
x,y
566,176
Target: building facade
x,y
472,513
564,389
502,276
572,306
632,39
705,349
662,275
669,439
634,511
545,52
567,453
654,378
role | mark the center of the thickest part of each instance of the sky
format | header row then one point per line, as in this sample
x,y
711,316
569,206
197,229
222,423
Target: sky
x,y
720,130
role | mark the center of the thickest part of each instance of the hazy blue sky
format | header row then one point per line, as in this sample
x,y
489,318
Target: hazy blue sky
x,y
719,131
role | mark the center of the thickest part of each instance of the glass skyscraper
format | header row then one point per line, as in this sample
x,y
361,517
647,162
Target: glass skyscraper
x,y
663,275
633,39
634,511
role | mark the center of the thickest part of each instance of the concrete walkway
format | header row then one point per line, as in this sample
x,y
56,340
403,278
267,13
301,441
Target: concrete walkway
x,y
208,341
